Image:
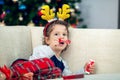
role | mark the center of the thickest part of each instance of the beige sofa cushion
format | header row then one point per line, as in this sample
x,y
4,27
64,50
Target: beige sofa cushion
x,y
15,42
37,36
101,45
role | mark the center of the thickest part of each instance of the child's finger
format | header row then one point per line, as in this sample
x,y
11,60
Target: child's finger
x,y
29,75
92,69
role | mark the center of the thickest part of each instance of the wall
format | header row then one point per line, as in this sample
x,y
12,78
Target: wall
x,y
100,13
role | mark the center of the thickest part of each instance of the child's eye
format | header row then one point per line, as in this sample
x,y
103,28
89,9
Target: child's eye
x,y
64,34
56,34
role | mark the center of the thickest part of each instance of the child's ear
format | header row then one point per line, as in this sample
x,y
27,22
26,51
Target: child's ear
x,y
47,40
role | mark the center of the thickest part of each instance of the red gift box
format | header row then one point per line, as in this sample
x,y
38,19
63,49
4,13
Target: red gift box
x,y
74,76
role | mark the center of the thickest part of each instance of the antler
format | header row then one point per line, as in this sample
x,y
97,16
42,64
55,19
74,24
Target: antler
x,y
47,13
64,12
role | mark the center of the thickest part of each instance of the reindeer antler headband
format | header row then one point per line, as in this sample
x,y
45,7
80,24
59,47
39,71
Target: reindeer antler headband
x,y
48,14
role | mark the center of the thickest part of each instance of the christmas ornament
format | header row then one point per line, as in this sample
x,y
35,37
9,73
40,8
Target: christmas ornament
x,y
48,1
73,25
73,14
22,7
72,10
28,8
1,2
54,9
39,8
2,16
31,24
39,13
8,11
20,18
77,6
14,0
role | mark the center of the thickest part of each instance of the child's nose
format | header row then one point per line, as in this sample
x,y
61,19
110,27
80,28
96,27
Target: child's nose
x,y
61,36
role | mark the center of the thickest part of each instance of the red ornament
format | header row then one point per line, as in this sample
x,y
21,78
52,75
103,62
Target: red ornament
x,y
74,25
39,13
2,16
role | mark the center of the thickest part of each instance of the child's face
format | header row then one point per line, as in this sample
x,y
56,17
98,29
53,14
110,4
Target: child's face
x,y
58,32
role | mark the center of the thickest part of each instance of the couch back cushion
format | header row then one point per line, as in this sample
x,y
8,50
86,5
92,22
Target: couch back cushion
x,y
15,42
101,45
37,36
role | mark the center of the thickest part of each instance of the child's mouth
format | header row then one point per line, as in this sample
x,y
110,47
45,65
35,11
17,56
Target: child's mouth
x,y
61,41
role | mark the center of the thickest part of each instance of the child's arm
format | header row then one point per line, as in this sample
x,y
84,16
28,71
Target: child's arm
x,y
66,70
41,52
89,68
81,71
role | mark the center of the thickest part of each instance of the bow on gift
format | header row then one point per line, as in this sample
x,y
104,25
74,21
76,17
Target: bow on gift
x,y
6,71
66,41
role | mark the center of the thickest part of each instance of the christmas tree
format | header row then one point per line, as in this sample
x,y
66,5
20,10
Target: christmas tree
x,y
24,12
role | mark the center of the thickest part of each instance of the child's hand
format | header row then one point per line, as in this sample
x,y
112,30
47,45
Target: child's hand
x,y
2,76
90,68
29,75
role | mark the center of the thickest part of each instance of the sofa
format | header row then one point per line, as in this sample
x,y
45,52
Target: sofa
x,y
101,45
